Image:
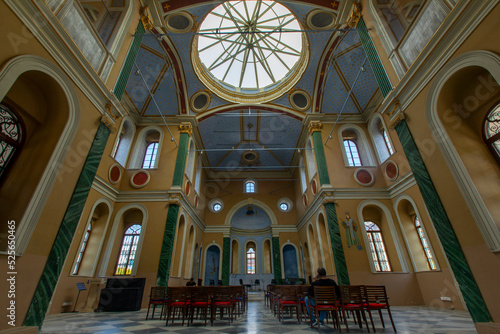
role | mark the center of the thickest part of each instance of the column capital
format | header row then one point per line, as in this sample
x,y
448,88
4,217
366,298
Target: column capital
x,y
186,127
146,19
106,120
315,126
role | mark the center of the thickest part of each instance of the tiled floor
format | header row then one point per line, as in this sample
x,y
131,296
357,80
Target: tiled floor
x,y
258,319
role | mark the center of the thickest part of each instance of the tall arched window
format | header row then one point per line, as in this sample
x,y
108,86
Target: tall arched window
x,y
351,151
377,247
150,155
250,187
302,171
128,250
491,132
251,261
11,139
425,244
123,142
388,144
81,252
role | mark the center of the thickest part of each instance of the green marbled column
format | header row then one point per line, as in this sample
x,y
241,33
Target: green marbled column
x,y
57,256
458,262
167,246
277,260
336,240
319,152
226,260
121,83
180,163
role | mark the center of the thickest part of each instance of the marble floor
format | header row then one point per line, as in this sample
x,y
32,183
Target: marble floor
x,y
258,319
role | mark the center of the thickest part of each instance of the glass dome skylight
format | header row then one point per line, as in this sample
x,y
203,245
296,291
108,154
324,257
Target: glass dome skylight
x,y
250,46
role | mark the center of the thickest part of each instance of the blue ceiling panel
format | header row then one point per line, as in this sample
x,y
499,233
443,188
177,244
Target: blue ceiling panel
x,y
165,96
335,96
366,86
350,64
220,132
150,66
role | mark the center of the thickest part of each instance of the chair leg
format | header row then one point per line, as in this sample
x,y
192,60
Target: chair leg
x,y
371,320
392,321
381,317
147,314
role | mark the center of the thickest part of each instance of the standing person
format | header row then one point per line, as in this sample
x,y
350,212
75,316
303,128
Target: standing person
x,y
319,280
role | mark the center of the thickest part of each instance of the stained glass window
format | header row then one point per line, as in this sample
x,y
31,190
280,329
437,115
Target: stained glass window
x,y
377,247
250,260
11,138
387,142
492,132
128,250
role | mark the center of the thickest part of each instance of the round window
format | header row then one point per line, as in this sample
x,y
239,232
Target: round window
x,y
217,207
284,204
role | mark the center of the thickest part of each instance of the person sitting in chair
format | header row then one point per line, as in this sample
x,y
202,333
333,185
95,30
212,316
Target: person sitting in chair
x,y
191,282
319,280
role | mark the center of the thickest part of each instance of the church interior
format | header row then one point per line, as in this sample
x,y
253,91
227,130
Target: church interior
x,y
249,142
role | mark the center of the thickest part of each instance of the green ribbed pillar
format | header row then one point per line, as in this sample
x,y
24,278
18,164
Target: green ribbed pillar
x,y
57,256
277,260
167,246
180,163
121,83
226,259
319,152
336,240
376,64
463,274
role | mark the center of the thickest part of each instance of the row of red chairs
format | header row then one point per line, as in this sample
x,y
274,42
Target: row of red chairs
x,y
207,300
355,298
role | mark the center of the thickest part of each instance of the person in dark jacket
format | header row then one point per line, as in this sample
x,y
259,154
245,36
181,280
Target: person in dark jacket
x,y
319,280
191,282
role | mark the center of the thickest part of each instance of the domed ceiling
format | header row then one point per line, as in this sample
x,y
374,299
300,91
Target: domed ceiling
x,y
336,81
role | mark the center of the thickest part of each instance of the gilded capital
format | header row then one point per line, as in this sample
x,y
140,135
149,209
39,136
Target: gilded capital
x,y
394,122
315,126
355,15
186,127
146,19
106,120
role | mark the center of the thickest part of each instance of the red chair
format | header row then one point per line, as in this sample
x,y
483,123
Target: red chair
x,y
176,299
352,298
376,299
288,298
222,299
325,299
200,300
157,297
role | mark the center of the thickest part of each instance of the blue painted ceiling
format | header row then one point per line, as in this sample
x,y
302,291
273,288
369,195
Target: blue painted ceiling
x,y
266,135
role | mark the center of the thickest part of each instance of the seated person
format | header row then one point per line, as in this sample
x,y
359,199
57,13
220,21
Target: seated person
x,y
319,280
191,282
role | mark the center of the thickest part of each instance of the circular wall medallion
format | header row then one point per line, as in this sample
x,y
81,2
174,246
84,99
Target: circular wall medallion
x,y
114,174
314,187
179,22
300,100
187,188
250,156
200,101
391,170
320,19
364,177
139,179
304,199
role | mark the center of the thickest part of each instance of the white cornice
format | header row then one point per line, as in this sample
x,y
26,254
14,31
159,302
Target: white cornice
x,y
334,194
452,33
47,29
168,196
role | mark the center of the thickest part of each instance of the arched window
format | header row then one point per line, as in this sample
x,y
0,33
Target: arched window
x,y
11,139
302,171
491,132
351,151
388,144
150,156
425,244
250,187
128,250
377,247
310,160
81,252
123,142
251,261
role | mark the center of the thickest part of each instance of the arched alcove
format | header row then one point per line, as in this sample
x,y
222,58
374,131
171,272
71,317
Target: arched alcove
x,y
212,265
